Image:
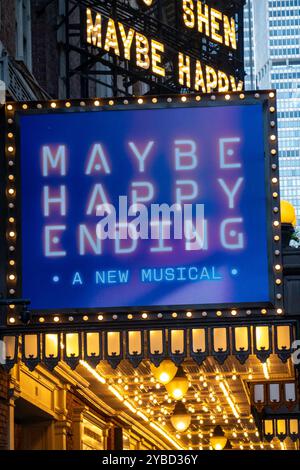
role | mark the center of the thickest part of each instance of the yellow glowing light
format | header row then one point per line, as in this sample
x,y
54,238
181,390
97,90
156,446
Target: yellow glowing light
x,y
9,107
97,103
25,106
165,372
178,387
56,319
68,104
12,320
100,317
53,105
12,277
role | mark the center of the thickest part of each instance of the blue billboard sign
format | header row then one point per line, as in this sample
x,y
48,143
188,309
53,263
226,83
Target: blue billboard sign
x,y
77,167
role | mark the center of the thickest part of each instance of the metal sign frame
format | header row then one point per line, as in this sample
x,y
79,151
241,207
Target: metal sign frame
x,y
12,269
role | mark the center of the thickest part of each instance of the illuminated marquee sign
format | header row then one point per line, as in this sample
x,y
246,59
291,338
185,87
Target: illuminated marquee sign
x,y
219,154
148,53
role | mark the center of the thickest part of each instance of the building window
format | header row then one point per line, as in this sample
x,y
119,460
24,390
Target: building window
x,y
23,32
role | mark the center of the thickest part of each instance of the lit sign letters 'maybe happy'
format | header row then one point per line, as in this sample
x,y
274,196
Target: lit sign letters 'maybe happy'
x,y
74,162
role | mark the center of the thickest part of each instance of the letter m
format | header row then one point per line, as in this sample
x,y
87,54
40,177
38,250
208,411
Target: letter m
x,y
53,159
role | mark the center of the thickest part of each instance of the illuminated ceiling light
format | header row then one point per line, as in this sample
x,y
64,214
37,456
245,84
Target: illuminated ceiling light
x,y
165,372
218,440
178,387
180,419
234,377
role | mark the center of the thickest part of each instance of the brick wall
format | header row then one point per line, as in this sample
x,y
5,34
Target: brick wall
x,y
3,409
45,50
7,25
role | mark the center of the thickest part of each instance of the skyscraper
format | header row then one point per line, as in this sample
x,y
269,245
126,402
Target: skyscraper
x,y
249,46
276,41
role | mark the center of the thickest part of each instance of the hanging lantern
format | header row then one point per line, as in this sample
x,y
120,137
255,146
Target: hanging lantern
x,y
165,372
156,346
262,342
290,395
51,350
72,349
178,387
220,341
10,351
218,440
114,347
198,344
180,418
241,343
177,345
281,429
31,350
294,429
93,348
283,341
135,347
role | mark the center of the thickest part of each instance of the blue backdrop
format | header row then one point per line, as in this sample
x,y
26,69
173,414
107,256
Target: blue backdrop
x,y
56,274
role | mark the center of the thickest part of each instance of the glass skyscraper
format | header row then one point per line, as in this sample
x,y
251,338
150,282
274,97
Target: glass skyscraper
x,y
275,53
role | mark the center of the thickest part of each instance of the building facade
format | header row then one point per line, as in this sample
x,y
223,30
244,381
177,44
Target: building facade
x,y
276,51
61,389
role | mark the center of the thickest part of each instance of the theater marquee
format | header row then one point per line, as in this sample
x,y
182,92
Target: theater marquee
x,y
205,26
217,154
